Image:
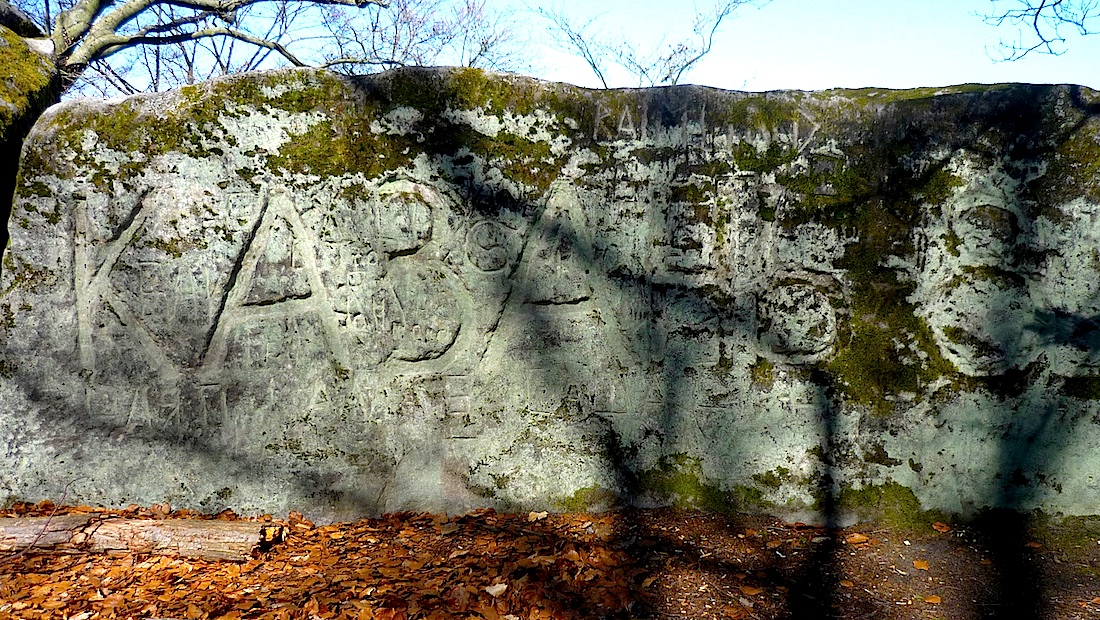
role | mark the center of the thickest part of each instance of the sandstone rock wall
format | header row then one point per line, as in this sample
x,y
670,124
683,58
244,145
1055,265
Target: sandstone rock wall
x,y
441,289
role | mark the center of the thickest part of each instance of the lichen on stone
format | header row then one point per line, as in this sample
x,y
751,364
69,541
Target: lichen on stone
x,y
442,289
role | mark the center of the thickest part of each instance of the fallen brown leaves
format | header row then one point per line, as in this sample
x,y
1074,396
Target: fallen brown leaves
x,y
542,566
856,538
480,565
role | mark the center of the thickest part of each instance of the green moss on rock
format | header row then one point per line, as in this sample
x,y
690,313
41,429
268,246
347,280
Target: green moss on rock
x,y
762,373
588,499
176,247
876,454
195,120
432,93
770,111
886,349
335,147
1076,164
750,159
774,479
939,186
881,356
679,479
27,80
882,96
890,503
1072,538
26,277
7,317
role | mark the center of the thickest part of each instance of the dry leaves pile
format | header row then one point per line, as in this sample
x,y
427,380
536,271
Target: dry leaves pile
x,y
480,565
638,564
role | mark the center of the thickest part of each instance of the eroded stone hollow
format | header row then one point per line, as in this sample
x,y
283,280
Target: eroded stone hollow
x,y
444,289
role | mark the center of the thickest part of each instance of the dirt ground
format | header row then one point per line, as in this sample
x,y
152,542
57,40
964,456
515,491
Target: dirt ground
x,y
627,564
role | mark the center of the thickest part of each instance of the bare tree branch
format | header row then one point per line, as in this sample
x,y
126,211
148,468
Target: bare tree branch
x,y
118,42
118,82
358,60
423,32
667,66
91,29
1040,24
486,39
120,46
706,26
580,41
173,24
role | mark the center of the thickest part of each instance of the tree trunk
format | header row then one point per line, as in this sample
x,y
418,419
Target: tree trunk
x,y
208,540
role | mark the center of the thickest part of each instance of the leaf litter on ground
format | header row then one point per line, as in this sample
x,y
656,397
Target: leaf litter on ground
x,y
542,566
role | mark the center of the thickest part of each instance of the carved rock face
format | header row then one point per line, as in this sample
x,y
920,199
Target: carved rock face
x,y
437,290
798,321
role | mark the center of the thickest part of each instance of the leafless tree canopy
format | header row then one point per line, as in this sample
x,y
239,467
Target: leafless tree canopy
x,y
1042,24
665,63
167,38
422,32
109,47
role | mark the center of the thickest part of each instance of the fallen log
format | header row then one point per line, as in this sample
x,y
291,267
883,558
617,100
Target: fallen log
x,y
193,538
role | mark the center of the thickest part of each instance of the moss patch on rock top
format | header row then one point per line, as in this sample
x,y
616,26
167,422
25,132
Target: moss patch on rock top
x,y
27,82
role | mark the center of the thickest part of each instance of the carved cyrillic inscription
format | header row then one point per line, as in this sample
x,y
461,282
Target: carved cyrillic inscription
x,y
427,314
296,306
279,273
278,278
489,245
403,218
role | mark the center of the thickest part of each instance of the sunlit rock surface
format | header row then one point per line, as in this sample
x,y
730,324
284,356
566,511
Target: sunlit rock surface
x,y
437,290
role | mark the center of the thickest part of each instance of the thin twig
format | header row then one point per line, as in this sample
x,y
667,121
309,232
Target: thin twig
x,y
46,525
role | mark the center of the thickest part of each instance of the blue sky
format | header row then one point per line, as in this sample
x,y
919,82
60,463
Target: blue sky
x,y
818,44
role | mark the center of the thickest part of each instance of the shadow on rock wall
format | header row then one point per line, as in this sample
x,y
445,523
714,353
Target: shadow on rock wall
x,y
437,290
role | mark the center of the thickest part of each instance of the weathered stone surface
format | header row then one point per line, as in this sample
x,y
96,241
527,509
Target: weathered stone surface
x,y
439,289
